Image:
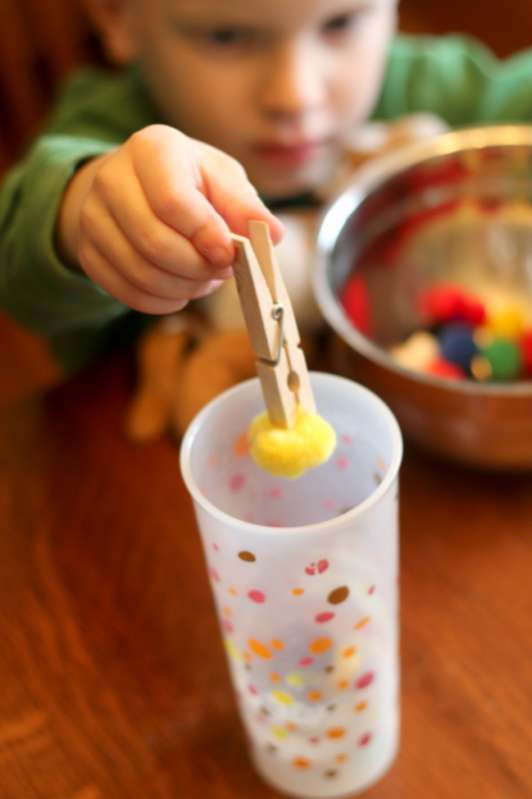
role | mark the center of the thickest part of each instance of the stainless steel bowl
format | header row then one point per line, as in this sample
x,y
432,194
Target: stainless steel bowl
x,y
465,202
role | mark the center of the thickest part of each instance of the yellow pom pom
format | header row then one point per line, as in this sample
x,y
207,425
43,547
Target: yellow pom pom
x,y
507,320
291,452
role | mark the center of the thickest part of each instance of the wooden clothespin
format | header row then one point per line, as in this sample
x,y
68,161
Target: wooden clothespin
x,y
281,364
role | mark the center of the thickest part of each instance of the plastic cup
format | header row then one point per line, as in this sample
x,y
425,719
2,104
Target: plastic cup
x,y
305,579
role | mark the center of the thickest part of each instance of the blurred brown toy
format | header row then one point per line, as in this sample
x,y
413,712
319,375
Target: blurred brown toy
x,y
187,359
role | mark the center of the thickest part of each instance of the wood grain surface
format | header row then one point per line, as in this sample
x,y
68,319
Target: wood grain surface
x,y
112,677
113,683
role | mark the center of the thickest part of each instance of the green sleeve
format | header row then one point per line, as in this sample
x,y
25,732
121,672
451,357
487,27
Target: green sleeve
x,y
458,79
95,114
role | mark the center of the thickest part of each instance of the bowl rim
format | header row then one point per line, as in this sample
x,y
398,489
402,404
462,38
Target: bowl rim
x,y
336,213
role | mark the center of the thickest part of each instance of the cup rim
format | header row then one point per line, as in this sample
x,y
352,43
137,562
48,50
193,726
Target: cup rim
x,y
316,528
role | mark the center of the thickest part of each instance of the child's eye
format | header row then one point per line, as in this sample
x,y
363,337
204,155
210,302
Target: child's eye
x,y
344,23
339,23
228,37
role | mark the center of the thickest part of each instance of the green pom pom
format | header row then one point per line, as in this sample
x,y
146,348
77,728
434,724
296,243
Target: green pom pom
x,y
504,358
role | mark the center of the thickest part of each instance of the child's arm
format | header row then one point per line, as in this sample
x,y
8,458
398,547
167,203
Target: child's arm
x,y
458,79
40,284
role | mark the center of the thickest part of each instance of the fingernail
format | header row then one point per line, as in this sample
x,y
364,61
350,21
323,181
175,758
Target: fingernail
x,y
225,273
219,256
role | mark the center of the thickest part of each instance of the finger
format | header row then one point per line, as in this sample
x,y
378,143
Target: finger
x,y
101,271
154,240
102,231
233,196
166,166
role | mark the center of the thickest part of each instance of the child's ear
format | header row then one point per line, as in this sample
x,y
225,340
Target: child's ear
x,y
112,19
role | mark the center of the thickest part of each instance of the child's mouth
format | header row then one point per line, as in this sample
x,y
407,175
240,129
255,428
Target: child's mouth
x,y
297,154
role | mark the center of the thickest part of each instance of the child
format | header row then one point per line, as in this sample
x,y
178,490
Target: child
x,y
128,198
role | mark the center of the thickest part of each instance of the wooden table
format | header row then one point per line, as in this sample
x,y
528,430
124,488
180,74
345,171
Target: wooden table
x,y
113,683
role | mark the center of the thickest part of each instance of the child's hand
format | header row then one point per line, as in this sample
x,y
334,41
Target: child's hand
x,y
150,222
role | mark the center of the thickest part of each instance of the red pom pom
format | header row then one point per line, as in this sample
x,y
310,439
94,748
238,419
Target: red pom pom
x,y
526,352
442,368
449,303
355,300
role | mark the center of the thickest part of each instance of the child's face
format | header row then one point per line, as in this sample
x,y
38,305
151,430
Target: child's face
x,y
275,83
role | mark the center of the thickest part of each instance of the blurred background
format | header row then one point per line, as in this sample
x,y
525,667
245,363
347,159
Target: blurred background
x,y
42,41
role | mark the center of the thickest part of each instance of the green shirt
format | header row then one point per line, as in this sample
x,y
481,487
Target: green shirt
x,y
454,77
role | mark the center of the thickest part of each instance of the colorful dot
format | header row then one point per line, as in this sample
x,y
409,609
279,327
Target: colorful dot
x,y
232,590
341,758
301,762
306,661
362,623
259,649
365,680
214,574
290,726
247,657
342,463
274,677
241,445
343,684
331,708
232,649
360,707
365,739
257,596
237,483
335,732
329,504
294,679
252,690
329,669
298,591
320,567
320,645
279,732
275,493
349,651
283,697
331,773
338,595
314,696
278,645
314,740
322,618
228,626
346,439
249,557
371,589
216,547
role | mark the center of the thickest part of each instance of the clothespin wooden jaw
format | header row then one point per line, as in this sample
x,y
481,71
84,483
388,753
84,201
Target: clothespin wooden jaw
x,y
281,364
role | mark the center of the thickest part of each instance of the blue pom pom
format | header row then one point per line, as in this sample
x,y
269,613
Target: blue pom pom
x,y
457,345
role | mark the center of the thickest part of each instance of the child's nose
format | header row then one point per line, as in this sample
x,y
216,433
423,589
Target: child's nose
x,y
292,84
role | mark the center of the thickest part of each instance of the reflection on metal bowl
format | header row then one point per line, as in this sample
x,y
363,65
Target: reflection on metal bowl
x,y
457,209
